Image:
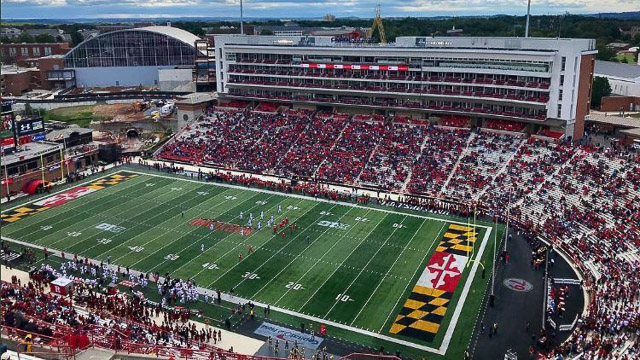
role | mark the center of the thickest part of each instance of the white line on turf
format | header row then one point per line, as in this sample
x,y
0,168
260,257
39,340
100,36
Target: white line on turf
x,y
317,261
393,309
388,271
297,256
276,253
52,214
342,263
364,267
224,239
178,238
465,291
122,209
236,264
167,230
441,350
312,199
74,227
61,190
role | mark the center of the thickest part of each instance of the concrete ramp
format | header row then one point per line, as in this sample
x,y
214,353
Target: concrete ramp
x,y
95,354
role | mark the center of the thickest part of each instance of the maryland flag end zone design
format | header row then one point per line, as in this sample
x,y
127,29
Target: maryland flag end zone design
x,y
64,197
424,309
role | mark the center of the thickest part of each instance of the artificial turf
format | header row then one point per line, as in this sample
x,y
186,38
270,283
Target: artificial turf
x,y
350,265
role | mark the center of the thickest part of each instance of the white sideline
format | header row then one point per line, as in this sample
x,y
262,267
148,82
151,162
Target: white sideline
x,y
230,298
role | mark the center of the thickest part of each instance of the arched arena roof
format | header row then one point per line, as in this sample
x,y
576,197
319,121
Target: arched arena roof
x,y
145,46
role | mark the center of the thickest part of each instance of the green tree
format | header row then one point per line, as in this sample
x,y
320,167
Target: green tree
x,y
76,38
24,38
600,89
44,38
605,53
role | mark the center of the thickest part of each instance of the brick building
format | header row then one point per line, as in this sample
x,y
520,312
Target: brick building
x,y
20,54
45,73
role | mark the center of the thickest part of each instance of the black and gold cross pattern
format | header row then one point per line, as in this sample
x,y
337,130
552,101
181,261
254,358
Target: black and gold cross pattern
x,y
21,212
422,313
111,180
26,210
458,239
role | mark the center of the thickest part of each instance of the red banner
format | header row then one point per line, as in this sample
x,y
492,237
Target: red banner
x,y
356,67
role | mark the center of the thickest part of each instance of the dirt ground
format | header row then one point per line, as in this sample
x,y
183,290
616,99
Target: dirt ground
x,y
118,112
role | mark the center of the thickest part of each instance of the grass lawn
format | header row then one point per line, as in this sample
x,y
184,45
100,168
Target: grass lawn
x,y
358,269
79,115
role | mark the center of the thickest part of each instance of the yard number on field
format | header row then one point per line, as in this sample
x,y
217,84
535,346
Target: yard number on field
x,y
210,266
327,213
398,226
74,234
261,202
46,227
203,193
172,257
362,219
136,248
343,297
293,286
104,241
292,207
109,227
250,276
230,197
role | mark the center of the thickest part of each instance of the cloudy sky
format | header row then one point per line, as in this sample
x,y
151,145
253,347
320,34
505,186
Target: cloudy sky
x,y
69,9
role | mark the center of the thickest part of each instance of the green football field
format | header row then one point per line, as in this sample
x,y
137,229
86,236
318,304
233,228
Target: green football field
x,y
357,269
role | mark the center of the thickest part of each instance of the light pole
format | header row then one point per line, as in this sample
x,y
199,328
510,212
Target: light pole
x,y
492,296
526,28
241,20
506,234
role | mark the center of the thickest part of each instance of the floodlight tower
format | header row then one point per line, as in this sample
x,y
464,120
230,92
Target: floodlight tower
x,y
241,20
526,28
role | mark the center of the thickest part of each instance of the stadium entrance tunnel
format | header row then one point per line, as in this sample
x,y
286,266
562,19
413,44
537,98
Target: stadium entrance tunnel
x,y
133,133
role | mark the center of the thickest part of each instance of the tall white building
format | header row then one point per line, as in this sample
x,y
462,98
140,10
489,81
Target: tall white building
x,y
535,80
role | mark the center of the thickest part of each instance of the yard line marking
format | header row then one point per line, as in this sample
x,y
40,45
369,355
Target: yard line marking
x,y
342,263
465,293
441,350
172,229
52,213
178,238
365,266
200,238
414,275
316,261
277,252
244,242
118,222
89,226
63,190
297,256
235,299
237,244
388,271
313,199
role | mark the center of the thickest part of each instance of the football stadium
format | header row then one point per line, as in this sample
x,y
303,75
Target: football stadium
x,y
427,198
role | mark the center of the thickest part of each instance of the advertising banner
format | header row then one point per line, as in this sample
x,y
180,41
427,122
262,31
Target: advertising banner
x,y
281,333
